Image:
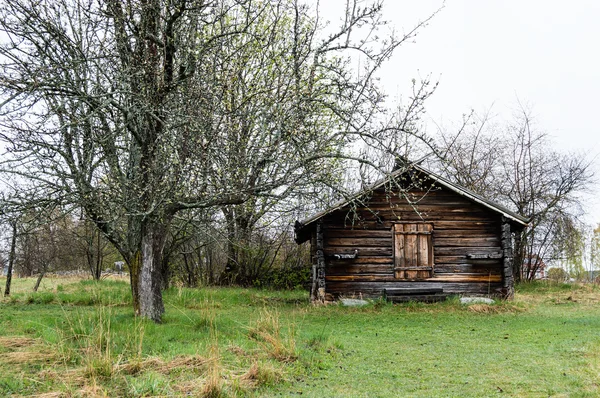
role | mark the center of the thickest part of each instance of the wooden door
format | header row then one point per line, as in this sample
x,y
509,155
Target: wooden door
x,y
413,251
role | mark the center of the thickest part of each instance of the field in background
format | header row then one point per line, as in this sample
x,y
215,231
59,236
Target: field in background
x,y
79,338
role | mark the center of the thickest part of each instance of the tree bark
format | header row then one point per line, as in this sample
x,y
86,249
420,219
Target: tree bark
x,y
518,257
135,264
165,270
40,277
11,258
230,274
150,277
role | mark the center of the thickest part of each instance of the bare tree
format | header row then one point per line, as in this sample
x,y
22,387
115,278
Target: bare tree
x,y
515,165
89,246
135,111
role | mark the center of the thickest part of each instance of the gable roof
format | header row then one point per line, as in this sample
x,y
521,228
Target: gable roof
x,y
514,218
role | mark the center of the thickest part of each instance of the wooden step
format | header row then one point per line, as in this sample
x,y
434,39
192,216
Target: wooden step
x,y
427,298
403,295
411,291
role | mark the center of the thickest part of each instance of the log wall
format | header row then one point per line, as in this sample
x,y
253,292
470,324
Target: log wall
x,y
467,247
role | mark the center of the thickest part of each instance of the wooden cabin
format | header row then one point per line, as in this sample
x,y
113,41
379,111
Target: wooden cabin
x,y
412,236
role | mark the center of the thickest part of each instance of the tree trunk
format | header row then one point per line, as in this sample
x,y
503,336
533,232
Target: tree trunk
x,y
149,281
210,276
165,271
135,265
519,256
230,274
40,277
11,258
99,258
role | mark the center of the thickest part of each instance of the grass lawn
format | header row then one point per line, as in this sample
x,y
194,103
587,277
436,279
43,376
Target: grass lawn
x,y
79,338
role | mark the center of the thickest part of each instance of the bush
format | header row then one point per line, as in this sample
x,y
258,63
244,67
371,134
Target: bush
x,y
558,275
285,278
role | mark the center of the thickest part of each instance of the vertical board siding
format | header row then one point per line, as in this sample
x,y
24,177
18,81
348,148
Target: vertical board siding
x,y
413,250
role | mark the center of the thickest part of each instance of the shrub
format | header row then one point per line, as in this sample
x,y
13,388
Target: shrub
x,y
558,275
285,278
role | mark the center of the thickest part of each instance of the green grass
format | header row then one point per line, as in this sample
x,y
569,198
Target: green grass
x,y
79,338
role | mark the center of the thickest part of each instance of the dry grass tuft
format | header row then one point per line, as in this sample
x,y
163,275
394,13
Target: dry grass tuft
x,y
24,350
585,294
212,388
213,384
239,351
268,334
188,362
22,357
583,297
261,374
189,388
92,391
494,309
50,395
136,366
164,367
13,342
73,377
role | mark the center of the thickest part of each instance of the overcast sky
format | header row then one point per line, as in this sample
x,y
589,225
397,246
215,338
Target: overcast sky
x,y
494,53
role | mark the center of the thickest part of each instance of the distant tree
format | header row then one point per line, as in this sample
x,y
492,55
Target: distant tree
x,y
595,248
515,165
89,246
44,244
569,247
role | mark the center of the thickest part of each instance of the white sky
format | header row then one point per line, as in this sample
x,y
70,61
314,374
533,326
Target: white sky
x,y
494,53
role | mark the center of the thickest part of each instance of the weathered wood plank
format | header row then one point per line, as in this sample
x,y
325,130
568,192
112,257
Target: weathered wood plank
x,y
423,241
456,278
487,226
360,278
467,242
422,208
360,269
400,216
362,251
409,291
457,251
339,224
464,233
357,233
411,252
426,298
373,242
465,277
493,224
350,288
462,259
468,268
399,241
416,194
361,260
